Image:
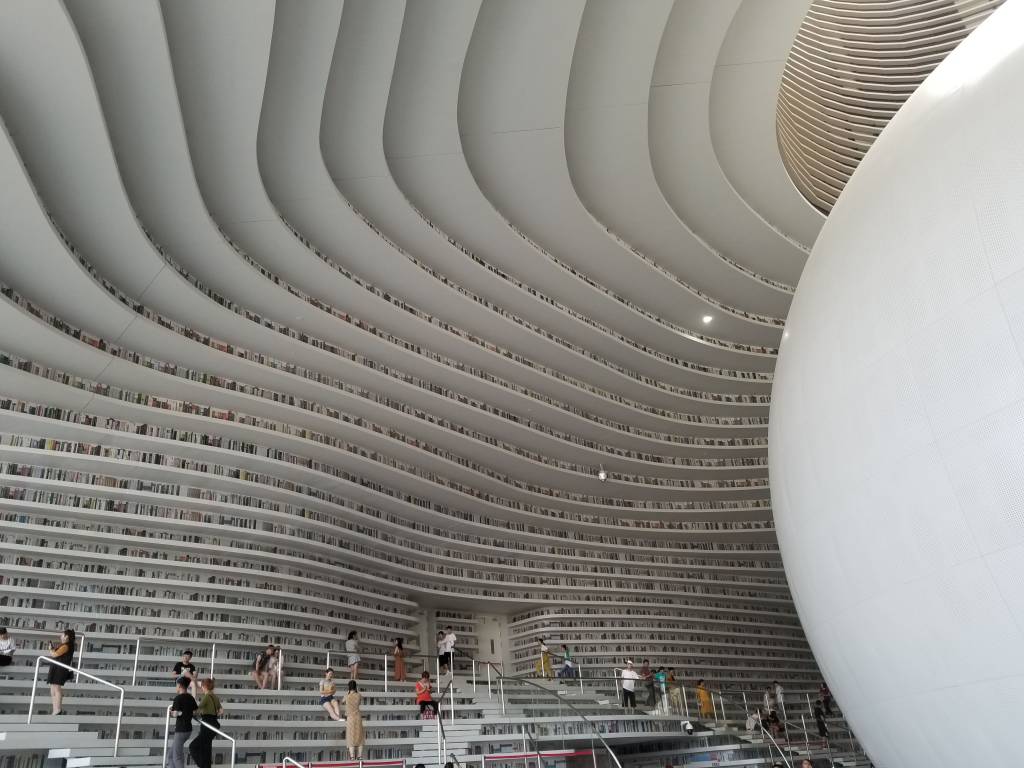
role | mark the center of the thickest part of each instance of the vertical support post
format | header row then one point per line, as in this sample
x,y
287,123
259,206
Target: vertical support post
x,y
32,694
489,694
81,653
437,725
280,666
810,709
807,739
722,702
686,704
451,698
135,666
385,673
474,675
437,670
714,707
501,692
213,657
167,731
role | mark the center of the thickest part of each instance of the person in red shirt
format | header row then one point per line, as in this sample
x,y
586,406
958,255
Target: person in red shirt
x,y
423,695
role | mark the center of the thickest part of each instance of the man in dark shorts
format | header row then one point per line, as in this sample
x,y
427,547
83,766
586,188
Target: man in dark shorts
x,y
186,669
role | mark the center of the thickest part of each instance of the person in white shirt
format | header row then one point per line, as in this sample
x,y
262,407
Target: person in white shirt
x,y
778,698
6,648
447,651
629,678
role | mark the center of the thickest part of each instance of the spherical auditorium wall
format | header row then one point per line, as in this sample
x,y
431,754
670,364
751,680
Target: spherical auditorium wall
x,y
898,422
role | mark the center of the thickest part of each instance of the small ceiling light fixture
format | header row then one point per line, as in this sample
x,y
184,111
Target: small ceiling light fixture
x,y
707,319
602,475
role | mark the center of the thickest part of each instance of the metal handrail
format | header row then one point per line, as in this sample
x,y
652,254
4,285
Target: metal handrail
x,y
782,754
288,761
501,677
35,680
442,737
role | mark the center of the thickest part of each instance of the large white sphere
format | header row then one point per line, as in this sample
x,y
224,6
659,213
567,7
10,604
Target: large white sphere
x,y
897,428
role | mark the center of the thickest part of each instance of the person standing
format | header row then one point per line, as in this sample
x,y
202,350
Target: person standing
x,y
327,689
779,698
423,695
182,710
704,704
64,652
568,669
675,691
629,678
826,698
185,668
352,649
647,676
769,699
210,711
819,718
354,736
6,648
398,652
544,664
661,682
450,639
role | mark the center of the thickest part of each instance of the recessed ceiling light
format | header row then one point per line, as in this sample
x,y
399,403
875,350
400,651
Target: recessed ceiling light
x,y
707,319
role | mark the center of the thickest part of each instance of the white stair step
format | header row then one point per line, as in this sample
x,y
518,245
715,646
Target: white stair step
x,y
138,760
100,750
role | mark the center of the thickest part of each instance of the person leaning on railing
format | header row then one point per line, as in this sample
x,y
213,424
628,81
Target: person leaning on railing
x,y
64,652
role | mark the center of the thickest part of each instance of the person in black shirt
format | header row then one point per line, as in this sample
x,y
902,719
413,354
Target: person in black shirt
x,y
183,708
185,668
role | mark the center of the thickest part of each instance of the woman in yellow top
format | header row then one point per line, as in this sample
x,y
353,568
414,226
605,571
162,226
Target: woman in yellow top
x,y
64,652
209,711
544,664
354,736
704,700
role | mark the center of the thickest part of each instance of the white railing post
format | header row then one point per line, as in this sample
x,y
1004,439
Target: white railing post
x,y
807,738
579,672
451,698
385,673
280,666
69,668
167,730
213,658
474,674
746,707
722,702
438,726
135,666
810,709
489,693
714,707
616,673
81,653
686,704
219,732
501,691
437,670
